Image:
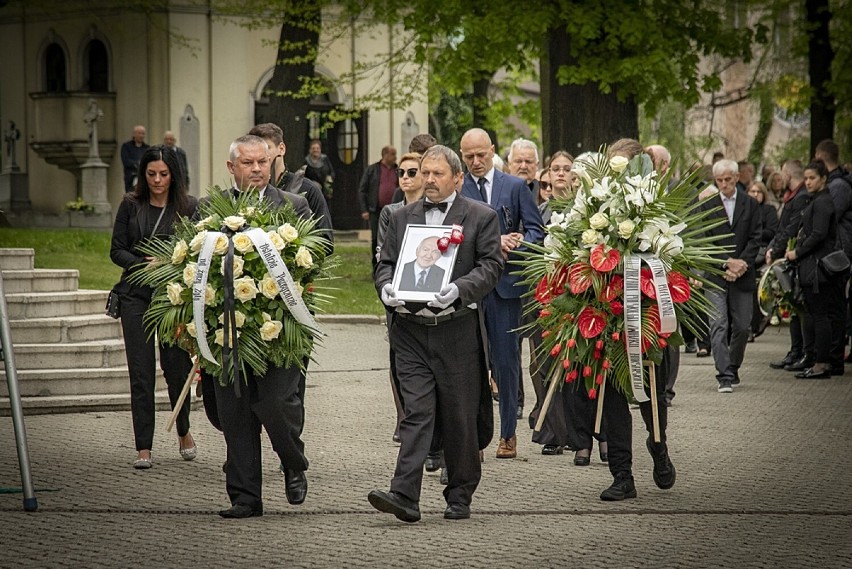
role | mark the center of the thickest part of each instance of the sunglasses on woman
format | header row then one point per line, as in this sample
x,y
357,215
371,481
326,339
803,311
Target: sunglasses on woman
x,y
412,172
544,185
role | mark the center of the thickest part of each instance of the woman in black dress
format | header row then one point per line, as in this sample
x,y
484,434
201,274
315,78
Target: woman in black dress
x,y
823,291
769,226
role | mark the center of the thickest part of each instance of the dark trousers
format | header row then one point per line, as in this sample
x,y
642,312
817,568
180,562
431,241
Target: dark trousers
x,y
271,402
797,342
619,422
502,318
141,363
825,321
554,429
580,412
441,375
374,235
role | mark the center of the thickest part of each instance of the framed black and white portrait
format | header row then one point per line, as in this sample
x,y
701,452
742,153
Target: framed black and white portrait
x,y
422,269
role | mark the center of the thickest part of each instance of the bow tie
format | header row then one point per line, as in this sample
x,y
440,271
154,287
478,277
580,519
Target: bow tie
x,y
429,205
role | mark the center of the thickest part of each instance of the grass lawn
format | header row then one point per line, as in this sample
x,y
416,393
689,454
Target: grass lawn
x,y
88,252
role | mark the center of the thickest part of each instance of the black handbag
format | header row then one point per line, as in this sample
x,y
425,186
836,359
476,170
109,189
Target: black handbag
x,y
835,263
113,305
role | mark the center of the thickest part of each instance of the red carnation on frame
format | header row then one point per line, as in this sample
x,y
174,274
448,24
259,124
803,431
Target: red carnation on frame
x,y
591,322
679,287
603,260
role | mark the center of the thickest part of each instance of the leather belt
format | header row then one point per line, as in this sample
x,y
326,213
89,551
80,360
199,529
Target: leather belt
x,y
435,320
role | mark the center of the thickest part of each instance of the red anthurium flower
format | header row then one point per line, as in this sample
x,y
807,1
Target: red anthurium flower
x,y
604,260
558,280
591,322
579,277
542,291
616,307
646,283
679,287
593,393
613,289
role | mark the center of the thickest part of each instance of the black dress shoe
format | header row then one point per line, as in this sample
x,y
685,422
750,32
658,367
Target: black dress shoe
x,y
837,370
811,374
457,511
238,511
621,489
434,461
789,359
800,365
664,470
396,504
580,460
551,449
296,486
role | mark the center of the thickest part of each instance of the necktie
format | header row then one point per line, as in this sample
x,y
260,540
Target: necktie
x,y
482,190
442,206
236,193
422,280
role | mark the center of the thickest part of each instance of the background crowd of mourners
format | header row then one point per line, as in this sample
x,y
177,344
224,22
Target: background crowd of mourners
x,y
793,219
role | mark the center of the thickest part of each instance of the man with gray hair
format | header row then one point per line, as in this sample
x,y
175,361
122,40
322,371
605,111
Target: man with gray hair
x,y
730,320
523,162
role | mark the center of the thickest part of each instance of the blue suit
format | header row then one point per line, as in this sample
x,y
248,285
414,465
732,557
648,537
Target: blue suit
x,y
516,211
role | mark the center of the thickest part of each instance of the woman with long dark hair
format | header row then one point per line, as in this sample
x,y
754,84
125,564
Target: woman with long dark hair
x,y
822,290
150,211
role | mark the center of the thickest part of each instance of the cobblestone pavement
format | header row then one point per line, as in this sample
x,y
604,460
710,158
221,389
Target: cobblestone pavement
x,y
763,481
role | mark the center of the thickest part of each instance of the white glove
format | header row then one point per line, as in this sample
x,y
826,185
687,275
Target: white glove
x,y
446,297
389,296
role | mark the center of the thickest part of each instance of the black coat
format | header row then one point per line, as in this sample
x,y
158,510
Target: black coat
x,y
300,185
769,223
841,194
817,237
368,189
740,237
790,221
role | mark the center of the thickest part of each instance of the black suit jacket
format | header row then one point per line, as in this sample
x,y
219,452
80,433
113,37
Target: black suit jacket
x,y
278,198
300,185
368,189
742,237
434,278
790,221
817,238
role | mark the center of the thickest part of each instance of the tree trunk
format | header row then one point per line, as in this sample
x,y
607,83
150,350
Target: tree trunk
x,y
820,59
297,51
580,118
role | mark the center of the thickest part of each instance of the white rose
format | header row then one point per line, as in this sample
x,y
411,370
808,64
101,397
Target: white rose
x,y
239,318
179,253
268,287
599,221
219,337
221,245
288,233
209,295
197,241
242,243
625,229
234,222
245,289
590,237
270,329
173,291
276,240
266,316
204,222
192,330
189,274
303,257
618,163
238,267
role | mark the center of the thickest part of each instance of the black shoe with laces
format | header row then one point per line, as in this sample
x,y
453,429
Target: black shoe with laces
x,y
621,489
789,359
664,470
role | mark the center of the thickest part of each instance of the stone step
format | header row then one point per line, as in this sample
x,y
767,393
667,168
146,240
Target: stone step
x,y
86,355
18,259
52,330
40,280
73,382
45,304
93,403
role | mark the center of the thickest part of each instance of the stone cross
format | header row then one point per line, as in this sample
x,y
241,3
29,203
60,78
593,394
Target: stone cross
x,y
91,118
11,136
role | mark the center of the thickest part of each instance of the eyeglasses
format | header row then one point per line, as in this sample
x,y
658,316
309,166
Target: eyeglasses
x,y
557,169
544,185
412,172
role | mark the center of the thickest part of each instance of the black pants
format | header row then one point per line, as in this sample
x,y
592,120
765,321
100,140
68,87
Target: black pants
x,y
374,234
271,402
554,429
825,321
580,412
619,422
441,375
141,363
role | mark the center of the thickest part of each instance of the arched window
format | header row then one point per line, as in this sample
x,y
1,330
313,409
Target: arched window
x,y
96,67
54,69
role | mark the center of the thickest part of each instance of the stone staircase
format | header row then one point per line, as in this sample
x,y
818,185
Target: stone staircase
x,y
69,355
